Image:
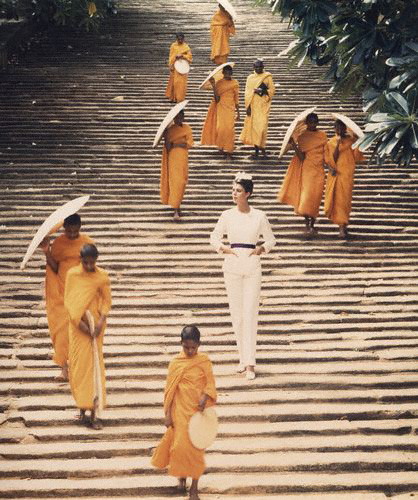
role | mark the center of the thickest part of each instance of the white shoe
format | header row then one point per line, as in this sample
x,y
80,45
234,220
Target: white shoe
x,y
240,368
250,375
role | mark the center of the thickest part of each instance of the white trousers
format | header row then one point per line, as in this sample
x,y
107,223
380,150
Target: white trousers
x,y
243,293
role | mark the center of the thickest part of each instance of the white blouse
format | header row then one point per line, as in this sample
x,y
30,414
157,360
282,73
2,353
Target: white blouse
x,y
244,228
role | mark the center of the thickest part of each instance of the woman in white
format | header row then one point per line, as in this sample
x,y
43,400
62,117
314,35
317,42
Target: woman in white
x,y
242,270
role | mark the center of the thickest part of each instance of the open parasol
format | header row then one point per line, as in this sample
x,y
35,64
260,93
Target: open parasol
x,y
296,124
227,5
52,224
215,72
174,111
351,125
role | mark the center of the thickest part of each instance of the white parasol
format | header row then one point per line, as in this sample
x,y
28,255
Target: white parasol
x,y
296,123
52,224
182,66
351,125
97,379
174,111
215,71
226,4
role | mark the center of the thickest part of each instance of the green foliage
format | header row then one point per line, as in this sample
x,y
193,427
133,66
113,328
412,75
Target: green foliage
x,y
370,46
79,14
395,131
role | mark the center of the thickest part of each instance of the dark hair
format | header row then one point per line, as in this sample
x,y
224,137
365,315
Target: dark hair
x,y
312,116
72,220
340,123
228,66
180,34
247,184
89,250
190,332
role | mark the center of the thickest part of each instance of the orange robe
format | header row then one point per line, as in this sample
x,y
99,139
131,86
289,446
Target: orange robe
x,y
254,132
175,165
188,379
67,254
221,28
177,83
85,291
219,126
339,188
303,184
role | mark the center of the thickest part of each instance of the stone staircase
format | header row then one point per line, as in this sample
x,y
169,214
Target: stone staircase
x,y
333,412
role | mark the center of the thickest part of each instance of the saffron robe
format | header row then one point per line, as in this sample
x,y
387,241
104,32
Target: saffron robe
x,y
219,126
175,165
254,132
221,28
303,184
187,380
66,253
85,291
177,83
339,188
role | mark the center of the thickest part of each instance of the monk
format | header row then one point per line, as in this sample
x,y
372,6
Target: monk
x,y
87,288
221,28
177,83
219,126
61,255
178,139
259,91
341,159
304,181
190,387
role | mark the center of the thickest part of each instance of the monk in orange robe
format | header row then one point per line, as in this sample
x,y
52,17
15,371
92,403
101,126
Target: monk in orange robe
x,y
221,28
219,126
341,159
304,181
178,139
259,91
177,83
87,288
190,387
61,255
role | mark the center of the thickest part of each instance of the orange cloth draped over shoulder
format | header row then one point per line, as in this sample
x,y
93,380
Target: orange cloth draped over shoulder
x,y
339,188
177,83
221,28
85,291
188,379
303,184
66,253
175,165
219,127
254,132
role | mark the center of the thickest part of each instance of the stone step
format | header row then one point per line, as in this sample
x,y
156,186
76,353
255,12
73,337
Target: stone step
x,y
239,483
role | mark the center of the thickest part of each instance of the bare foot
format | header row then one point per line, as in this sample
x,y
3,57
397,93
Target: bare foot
x,y
96,424
194,492
344,234
181,487
194,495
82,419
63,376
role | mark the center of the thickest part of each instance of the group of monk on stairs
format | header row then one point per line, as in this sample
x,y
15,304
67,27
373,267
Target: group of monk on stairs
x,y
303,186
78,297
